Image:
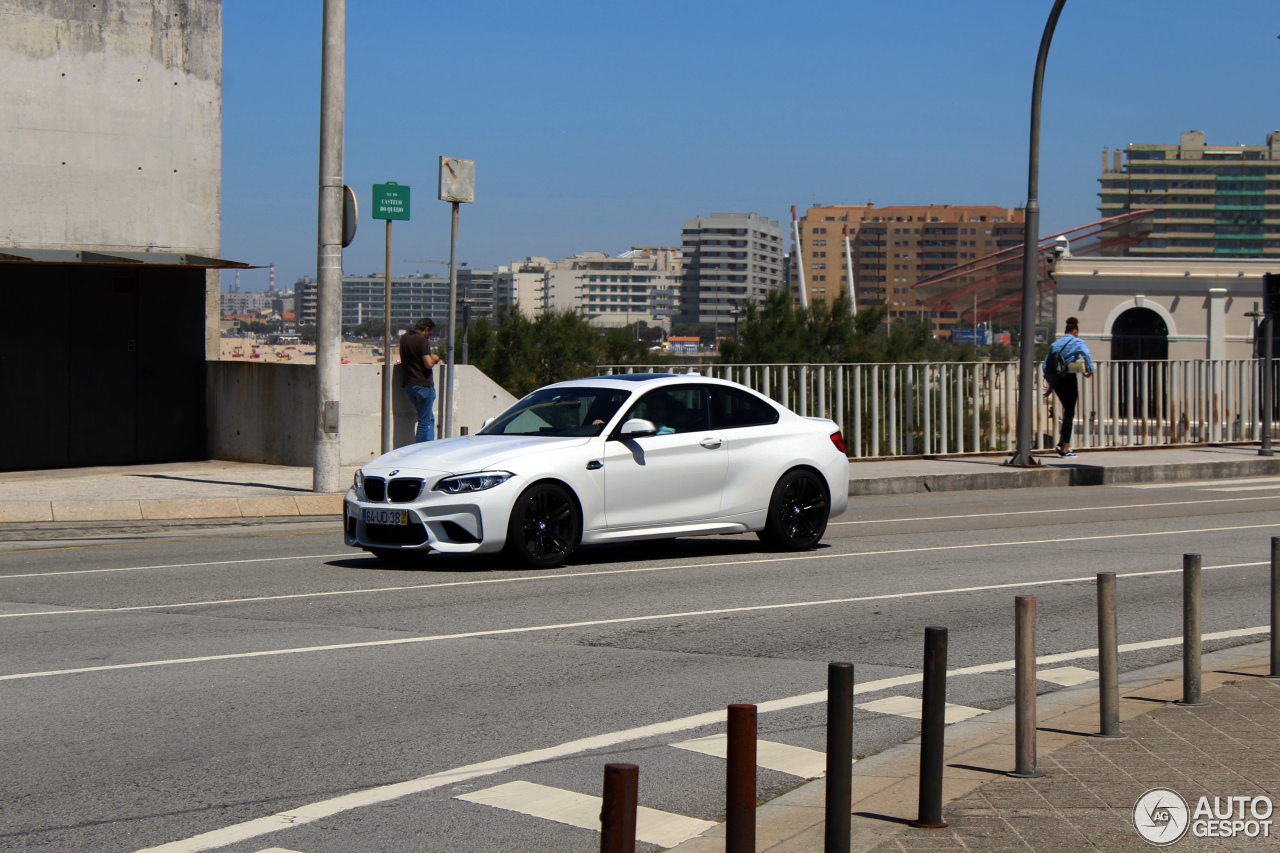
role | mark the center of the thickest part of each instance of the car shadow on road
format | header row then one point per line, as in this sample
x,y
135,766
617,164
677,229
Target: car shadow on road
x,y
590,556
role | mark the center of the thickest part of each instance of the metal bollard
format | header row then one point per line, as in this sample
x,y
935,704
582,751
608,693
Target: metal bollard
x,y
1025,685
618,812
1275,607
933,721
1191,644
740,782
1108,658
464,430
839,757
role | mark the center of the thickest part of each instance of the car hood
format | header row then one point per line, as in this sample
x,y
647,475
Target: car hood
x,y
468,453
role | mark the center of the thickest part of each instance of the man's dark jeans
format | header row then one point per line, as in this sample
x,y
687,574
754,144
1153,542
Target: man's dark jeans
x,y
424,400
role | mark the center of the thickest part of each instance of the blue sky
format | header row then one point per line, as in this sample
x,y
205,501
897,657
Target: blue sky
x,y
598,126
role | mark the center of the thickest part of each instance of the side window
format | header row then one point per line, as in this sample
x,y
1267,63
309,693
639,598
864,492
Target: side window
x,y
673,410
733,408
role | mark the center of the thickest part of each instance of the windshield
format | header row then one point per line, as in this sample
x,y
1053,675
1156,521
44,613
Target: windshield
x,y
560,412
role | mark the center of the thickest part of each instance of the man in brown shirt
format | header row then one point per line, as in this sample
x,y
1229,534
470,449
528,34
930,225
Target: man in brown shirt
x,y
416,360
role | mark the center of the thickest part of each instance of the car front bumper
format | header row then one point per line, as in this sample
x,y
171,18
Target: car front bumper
x,y
472,523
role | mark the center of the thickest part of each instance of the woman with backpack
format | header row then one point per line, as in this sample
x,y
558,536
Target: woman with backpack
x,y
1067,356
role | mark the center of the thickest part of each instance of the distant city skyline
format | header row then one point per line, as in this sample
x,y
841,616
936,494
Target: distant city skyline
x,y
594,127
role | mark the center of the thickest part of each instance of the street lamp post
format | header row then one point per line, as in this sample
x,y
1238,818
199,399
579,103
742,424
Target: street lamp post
x,y
1030,257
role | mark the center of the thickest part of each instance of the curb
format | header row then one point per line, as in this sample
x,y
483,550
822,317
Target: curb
x,y
886,784
168,510
1058,476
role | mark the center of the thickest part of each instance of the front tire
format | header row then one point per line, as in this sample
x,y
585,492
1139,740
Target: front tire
x,y
797,512
543,530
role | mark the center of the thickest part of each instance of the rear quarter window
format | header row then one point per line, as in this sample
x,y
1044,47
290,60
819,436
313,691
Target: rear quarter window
x,y
731,408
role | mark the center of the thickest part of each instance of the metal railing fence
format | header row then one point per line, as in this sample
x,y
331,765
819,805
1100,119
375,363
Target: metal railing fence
x,y
909,409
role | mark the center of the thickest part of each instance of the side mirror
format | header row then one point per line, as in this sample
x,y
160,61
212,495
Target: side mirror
x,y
487,421
637,428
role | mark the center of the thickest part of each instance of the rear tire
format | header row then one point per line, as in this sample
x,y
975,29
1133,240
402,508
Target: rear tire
x,y
544,527
798,512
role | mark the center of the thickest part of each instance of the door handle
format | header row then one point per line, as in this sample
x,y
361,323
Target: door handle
x,y
710,443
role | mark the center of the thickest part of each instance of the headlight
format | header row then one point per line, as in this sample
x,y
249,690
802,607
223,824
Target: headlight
x,y
472,482
358,483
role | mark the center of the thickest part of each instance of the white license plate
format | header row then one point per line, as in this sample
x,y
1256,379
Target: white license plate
x,y
386,516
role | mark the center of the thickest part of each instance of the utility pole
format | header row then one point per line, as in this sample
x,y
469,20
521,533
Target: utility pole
x,y
327,470
1022,457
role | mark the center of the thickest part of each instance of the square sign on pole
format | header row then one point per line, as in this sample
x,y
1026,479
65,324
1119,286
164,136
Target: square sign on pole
x,y
457,180
390,201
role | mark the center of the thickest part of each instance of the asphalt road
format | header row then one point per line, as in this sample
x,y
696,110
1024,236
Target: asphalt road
x,y
191,684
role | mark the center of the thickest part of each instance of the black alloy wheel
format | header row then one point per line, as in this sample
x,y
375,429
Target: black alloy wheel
x,y
544,526
797,512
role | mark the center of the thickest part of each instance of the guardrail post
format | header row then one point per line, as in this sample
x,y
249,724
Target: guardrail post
x,y
618,812
740,781
839,757
933,721
1108,658
1025,686
1191,644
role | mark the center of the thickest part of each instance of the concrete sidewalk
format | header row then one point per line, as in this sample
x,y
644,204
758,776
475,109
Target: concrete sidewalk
x,y
214,489
1085,801
188,490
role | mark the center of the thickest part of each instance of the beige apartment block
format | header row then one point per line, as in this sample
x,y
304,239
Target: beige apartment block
x,y
892,247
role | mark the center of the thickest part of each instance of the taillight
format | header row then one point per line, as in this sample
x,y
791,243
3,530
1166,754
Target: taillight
x,y
838,440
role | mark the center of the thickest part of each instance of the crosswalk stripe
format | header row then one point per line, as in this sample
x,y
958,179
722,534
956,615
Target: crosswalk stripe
x,y
1067,676
783,757
582,810
905,706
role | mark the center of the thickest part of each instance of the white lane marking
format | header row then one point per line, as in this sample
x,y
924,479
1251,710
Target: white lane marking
x,y
1067,676
1242,488
278,850
654,826
176,566
1192,484
385,793
532,578
905,706
1055,509
783,757
369,644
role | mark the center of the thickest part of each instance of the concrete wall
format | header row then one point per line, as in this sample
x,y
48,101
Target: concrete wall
x,y
264,412
111,126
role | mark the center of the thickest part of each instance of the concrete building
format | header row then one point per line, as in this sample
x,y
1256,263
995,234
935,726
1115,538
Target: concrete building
x,y
642,284
1157,308
892,247
253,302
111,168
412,297
521,283
729,258
1219,200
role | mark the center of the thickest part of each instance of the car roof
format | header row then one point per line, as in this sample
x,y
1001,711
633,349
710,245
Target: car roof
x,y
638,381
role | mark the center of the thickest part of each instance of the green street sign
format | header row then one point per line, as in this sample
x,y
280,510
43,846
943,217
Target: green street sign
x,y
390,201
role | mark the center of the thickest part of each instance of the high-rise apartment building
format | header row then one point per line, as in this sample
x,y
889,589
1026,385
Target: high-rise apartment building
x,y
1218,200
642,284
729,259
893,247
522,284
